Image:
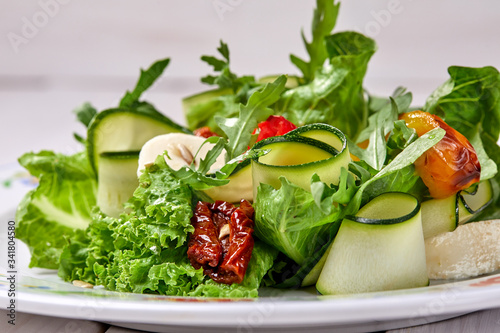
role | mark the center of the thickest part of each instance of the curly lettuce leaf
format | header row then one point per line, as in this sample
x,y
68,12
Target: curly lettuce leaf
x,y
144,251
60,204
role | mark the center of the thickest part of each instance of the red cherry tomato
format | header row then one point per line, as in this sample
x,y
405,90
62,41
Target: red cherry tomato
x,y
273,126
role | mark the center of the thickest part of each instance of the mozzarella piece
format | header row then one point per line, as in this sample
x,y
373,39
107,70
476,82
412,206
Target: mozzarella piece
x,y
182,149
471,250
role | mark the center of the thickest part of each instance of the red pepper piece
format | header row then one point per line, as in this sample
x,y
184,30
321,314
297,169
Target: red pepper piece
x,y
273,126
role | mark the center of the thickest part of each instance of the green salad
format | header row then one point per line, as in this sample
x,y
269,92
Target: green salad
x,y
338,178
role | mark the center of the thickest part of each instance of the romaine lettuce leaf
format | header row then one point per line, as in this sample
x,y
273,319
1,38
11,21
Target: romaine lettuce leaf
x,y
59,205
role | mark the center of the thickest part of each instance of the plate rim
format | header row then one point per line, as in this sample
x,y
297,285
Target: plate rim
x,y
408,304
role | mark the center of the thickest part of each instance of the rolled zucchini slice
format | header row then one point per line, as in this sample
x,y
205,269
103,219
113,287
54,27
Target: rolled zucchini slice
x,y
125,130
472,202
445,215
239,186
381,248
117,180
440,215
310,149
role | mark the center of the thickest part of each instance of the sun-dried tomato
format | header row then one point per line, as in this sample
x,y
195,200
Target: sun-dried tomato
x,y
204,246
210,240
451,165
204,132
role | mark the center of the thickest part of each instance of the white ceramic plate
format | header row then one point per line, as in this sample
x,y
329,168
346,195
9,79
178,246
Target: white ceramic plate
x,y
42,292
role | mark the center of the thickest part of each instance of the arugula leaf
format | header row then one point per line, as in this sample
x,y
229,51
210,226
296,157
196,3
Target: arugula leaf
x,y
380,124
239,130
203,113
197,178
401,136
146,80
226,78
324,20
384,111
399,174
335,96
61,204
84,113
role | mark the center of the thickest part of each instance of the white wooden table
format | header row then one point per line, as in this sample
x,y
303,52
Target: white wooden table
x,y
487,321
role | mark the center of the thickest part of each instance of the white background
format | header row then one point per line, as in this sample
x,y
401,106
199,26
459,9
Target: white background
x,y
56,54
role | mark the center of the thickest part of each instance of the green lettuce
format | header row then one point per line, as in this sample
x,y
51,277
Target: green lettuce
x,y
144,251
469,101
225,78
397,176
61,204
239,130
324,20
201,109
335,95
146,80
290,220
381,123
